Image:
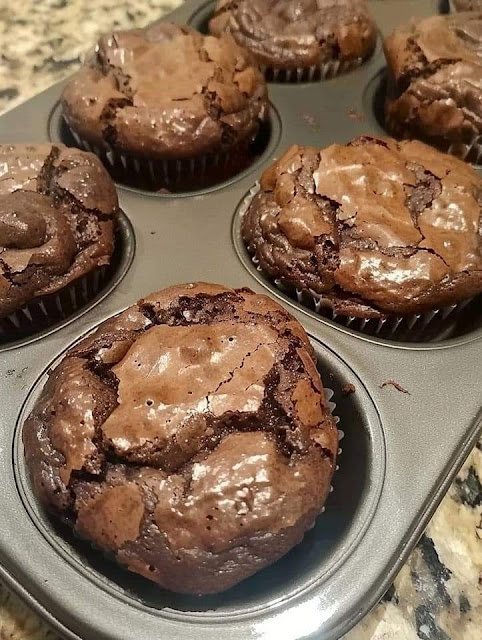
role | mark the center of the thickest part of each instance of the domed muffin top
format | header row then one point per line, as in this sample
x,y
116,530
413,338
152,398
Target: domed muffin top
x,y
57,212
166,91
297,33
374,225
196,417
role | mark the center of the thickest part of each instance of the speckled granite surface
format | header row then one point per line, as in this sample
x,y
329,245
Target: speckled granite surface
x,y
438,593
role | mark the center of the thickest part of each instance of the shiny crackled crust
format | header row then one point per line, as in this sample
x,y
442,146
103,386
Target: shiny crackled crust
x,y
291,34
188,436
375,226
435,84
58,208
166,92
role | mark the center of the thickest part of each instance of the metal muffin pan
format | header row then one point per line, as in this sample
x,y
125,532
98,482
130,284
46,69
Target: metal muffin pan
x,y
400,450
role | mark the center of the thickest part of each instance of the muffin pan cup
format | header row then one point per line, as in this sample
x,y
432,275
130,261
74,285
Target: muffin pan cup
x,y
411,421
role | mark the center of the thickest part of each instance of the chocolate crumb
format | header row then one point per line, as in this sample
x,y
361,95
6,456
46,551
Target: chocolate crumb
x,y
354,115
395,384
347,389
312,121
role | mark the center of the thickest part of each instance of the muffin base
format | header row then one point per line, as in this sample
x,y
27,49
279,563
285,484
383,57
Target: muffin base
x,y
470,151
313,73
434,325
181,174
46,311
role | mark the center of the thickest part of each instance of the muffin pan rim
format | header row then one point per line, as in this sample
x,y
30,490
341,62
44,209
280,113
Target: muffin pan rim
x,y
343,603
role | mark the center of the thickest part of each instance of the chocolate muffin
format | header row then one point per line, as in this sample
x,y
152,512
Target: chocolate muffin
x,y
58,209
371,228
299,39
435,83
188,436
166,102
467,5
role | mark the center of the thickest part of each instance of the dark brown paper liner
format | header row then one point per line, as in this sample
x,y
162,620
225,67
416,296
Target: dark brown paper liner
x,y
169,174
46,311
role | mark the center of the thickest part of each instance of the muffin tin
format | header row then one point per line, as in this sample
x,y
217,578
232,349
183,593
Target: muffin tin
x,y
412,420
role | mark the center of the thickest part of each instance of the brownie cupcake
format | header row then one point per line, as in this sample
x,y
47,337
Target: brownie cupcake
x,y
165,105
370,229
58,209
435,83
299,39
189,437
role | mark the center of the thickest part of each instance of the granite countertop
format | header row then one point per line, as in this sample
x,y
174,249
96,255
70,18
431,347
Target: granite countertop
x,y
438,593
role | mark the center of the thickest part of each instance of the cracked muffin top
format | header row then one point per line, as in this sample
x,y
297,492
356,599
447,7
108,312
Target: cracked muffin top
x,y
189,436
166,91
374,226
286,34
58,208
435,69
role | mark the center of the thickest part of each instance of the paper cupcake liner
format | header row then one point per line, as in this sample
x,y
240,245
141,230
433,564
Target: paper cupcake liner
x,y
435,324
469,151
432,325
46,311
329,394
174,174
324,71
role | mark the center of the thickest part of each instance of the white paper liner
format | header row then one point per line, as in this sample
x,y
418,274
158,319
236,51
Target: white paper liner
x,y
43,312
329,69
469,151
168,173
435,324
329,393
